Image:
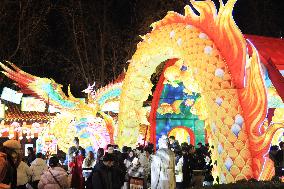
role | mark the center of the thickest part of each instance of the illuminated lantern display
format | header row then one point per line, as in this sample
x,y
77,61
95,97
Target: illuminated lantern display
x,y
91,131
210,87
19,124
206,55
75,117
25,130
18,131
46,142
15,128
174,113
11,132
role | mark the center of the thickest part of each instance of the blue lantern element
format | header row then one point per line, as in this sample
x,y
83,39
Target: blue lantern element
x,y
85,135
213,127
54,95
236,129
83,119
228,163
220,148
183,68
81,125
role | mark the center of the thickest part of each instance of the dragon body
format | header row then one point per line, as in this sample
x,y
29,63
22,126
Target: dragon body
x,y
233,100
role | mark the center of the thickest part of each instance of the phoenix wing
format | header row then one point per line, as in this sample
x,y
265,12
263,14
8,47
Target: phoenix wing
x,y
43,88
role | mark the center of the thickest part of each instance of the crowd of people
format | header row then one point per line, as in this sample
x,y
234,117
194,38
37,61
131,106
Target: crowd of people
x,y
115,169
174,165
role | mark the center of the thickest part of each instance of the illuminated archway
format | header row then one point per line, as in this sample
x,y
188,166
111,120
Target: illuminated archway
x,y
183,132
233,97
165,95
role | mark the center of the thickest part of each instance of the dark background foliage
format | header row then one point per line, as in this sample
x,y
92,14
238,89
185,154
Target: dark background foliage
x,y
78,42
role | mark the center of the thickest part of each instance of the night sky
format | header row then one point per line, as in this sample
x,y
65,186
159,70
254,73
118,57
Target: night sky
x,y
78,42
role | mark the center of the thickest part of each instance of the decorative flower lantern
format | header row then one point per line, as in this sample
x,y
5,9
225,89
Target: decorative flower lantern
x,y
14,127
36,127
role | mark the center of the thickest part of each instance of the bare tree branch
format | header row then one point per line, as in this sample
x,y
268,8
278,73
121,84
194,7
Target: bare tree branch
x,y
77,49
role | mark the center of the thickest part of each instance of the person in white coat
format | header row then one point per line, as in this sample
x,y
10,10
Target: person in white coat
x,y
163,167
38,166
23,175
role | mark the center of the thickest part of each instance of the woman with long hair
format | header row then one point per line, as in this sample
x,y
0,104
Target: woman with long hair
x,y
100,155
129,159
88,164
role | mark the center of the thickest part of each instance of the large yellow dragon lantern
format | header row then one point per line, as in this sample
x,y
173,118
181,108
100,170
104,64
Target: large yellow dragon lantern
x,y
234,100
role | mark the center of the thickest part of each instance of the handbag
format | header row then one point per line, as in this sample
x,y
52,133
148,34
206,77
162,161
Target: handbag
x,y
55,179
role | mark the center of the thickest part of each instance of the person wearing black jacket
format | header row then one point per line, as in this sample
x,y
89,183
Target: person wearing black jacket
x,y
31,156
119,167
200,157
104,175
186,170
99,161
76,149
174,145
100,155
